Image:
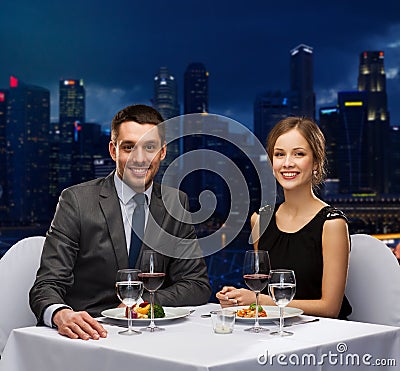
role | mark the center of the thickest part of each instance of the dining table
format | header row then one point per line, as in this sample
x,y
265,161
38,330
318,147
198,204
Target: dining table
x,y
189,343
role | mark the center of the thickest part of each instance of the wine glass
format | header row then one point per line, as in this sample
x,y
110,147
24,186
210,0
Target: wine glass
x,y
256,268
152,274
129,289
282,287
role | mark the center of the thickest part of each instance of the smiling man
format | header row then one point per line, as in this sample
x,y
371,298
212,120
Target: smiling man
x,y
137,149
90,236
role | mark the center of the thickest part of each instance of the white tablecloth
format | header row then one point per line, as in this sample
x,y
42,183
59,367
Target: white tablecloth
x,y
190,344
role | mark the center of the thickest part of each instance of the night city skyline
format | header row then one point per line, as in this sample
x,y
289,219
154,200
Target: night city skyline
x,y
77,150
119,48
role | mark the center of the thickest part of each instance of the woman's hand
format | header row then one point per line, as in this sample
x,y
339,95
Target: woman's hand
x,y
230,296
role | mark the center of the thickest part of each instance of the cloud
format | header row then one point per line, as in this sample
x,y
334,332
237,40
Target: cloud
x,y
103,102
394,45
327,97
392,73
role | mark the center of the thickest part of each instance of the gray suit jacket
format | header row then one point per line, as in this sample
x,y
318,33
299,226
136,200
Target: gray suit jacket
x,y
85,246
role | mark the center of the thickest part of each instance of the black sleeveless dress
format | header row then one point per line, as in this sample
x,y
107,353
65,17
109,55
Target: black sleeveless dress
x,y
301,251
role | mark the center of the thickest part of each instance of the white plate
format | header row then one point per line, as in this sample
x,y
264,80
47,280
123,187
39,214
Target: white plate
x,y
170,313
272,313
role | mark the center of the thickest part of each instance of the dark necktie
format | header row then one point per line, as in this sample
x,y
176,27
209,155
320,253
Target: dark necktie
x,y
137,229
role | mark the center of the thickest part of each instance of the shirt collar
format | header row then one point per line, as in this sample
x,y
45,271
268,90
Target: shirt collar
x,y
125,193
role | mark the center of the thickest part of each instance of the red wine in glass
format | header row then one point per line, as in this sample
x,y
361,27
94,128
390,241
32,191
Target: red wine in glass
x,y
152,281
152,275
256,267
255,282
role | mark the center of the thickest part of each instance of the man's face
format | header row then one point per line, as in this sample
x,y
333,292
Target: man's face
x,y
137,152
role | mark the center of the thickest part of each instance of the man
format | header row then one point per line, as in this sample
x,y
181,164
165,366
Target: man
x,y
90,235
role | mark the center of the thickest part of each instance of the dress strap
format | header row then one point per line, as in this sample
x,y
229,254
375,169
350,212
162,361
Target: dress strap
x,y
334,213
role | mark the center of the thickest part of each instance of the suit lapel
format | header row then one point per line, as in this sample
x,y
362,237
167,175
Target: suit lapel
x,y
110,206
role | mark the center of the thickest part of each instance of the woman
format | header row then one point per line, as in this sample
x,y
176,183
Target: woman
x,y
304,234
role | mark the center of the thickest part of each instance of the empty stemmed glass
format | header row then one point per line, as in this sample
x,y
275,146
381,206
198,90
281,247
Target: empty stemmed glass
x,y
129,289
256,268
152,274
282,287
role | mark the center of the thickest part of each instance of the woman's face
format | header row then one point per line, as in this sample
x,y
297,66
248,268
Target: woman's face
x,y
293,161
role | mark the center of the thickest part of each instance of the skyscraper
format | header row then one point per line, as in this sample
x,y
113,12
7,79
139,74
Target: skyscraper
x,y
351,155
372,80
165,98
331,127
28,119
165,101
71,113
195,101
3,157
201,134
196,89
394,160
87,147
302,81
54,165
269,108
72,105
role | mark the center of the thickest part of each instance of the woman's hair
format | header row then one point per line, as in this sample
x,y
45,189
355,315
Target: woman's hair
x,y
314,137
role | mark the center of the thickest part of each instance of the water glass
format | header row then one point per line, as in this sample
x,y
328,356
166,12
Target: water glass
x,y
223,321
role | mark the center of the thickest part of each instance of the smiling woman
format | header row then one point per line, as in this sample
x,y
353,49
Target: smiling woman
x,y
305,234
303,140
293,162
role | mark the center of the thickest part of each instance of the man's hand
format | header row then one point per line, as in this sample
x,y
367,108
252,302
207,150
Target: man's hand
x,y
78,325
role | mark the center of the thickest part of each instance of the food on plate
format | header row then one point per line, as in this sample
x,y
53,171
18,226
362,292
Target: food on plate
x,y
250,312
142,311
158,311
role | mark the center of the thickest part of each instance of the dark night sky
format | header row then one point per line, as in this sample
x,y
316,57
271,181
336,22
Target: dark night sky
x,y
118,46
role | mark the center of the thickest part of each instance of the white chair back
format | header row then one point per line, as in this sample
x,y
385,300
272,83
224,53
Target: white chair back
x,y
18,269
373,282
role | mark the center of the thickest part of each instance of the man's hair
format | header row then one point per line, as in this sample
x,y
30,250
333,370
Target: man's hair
x,y
141,114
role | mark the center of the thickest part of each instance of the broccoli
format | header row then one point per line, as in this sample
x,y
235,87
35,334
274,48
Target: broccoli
x,y
253,307
158,311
